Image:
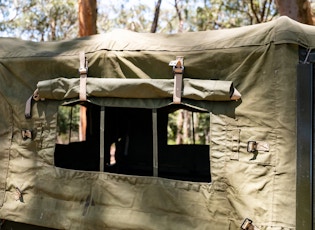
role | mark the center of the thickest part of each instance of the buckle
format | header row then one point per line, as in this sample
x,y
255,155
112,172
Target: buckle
x,y
27,134
178,65
247,224
83,70
178,68
254,146
251,146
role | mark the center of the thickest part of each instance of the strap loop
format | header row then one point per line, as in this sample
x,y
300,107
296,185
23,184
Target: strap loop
x,y
178,70
247,224
28,105
253,146
83,70
27,134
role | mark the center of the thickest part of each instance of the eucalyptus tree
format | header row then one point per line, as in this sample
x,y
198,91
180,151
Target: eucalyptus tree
x,y
215,14
46,20
87,17
43,20
299,10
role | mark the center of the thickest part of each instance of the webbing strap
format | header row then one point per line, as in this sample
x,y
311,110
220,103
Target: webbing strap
x,y
178,70
83,75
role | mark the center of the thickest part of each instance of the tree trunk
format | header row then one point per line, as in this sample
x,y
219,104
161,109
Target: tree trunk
x,y
87,17
299,10
87,26
260,11
180,18
53,29
156,16
179,123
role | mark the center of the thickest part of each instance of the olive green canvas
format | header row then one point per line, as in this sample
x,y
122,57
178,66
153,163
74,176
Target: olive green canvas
x,y
129,69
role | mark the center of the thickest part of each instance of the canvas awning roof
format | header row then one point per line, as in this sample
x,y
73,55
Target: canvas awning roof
x,y
282,30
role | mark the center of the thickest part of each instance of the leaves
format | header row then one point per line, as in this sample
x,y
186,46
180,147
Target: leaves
x,y
39,20
186,127
48,20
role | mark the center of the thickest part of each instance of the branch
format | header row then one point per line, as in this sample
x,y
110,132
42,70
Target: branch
x,y
268,10
254,10
179,16
263,11
156,16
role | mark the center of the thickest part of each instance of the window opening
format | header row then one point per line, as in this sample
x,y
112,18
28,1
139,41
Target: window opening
x,y
184,158
128,141
75,154
68,124
188,127
135,141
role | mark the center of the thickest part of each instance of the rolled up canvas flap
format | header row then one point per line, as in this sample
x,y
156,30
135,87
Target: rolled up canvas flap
x,y
195,89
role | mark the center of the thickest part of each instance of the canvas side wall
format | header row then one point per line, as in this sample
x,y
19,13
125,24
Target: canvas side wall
x,y
258,185
6,129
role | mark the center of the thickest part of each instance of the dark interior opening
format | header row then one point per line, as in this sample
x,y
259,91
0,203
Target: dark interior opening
x,y
129,132
82,155
189,162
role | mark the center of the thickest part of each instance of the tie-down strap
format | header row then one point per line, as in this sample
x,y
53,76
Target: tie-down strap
x,y
178,70
83,69
28,105
83,75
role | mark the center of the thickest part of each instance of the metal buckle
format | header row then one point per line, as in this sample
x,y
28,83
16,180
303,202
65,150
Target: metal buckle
x,y
178,65
178,69
83,70
27,134
251,146
247,224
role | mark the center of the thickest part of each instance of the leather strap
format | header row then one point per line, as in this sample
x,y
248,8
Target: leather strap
x,y
178,70
28,108
28,105
83,75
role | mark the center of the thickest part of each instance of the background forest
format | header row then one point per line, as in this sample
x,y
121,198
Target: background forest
x,y
47,20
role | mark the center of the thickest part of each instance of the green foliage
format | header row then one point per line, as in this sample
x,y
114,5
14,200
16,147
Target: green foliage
x,y
121,14
68,119
216,14
48,20
44,20
186,127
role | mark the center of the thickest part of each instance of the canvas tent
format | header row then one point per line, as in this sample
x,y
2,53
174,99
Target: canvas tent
x,y
249,171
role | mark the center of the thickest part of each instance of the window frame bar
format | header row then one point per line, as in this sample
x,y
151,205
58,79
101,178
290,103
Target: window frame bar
x,y
304,132
155,143
102,138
